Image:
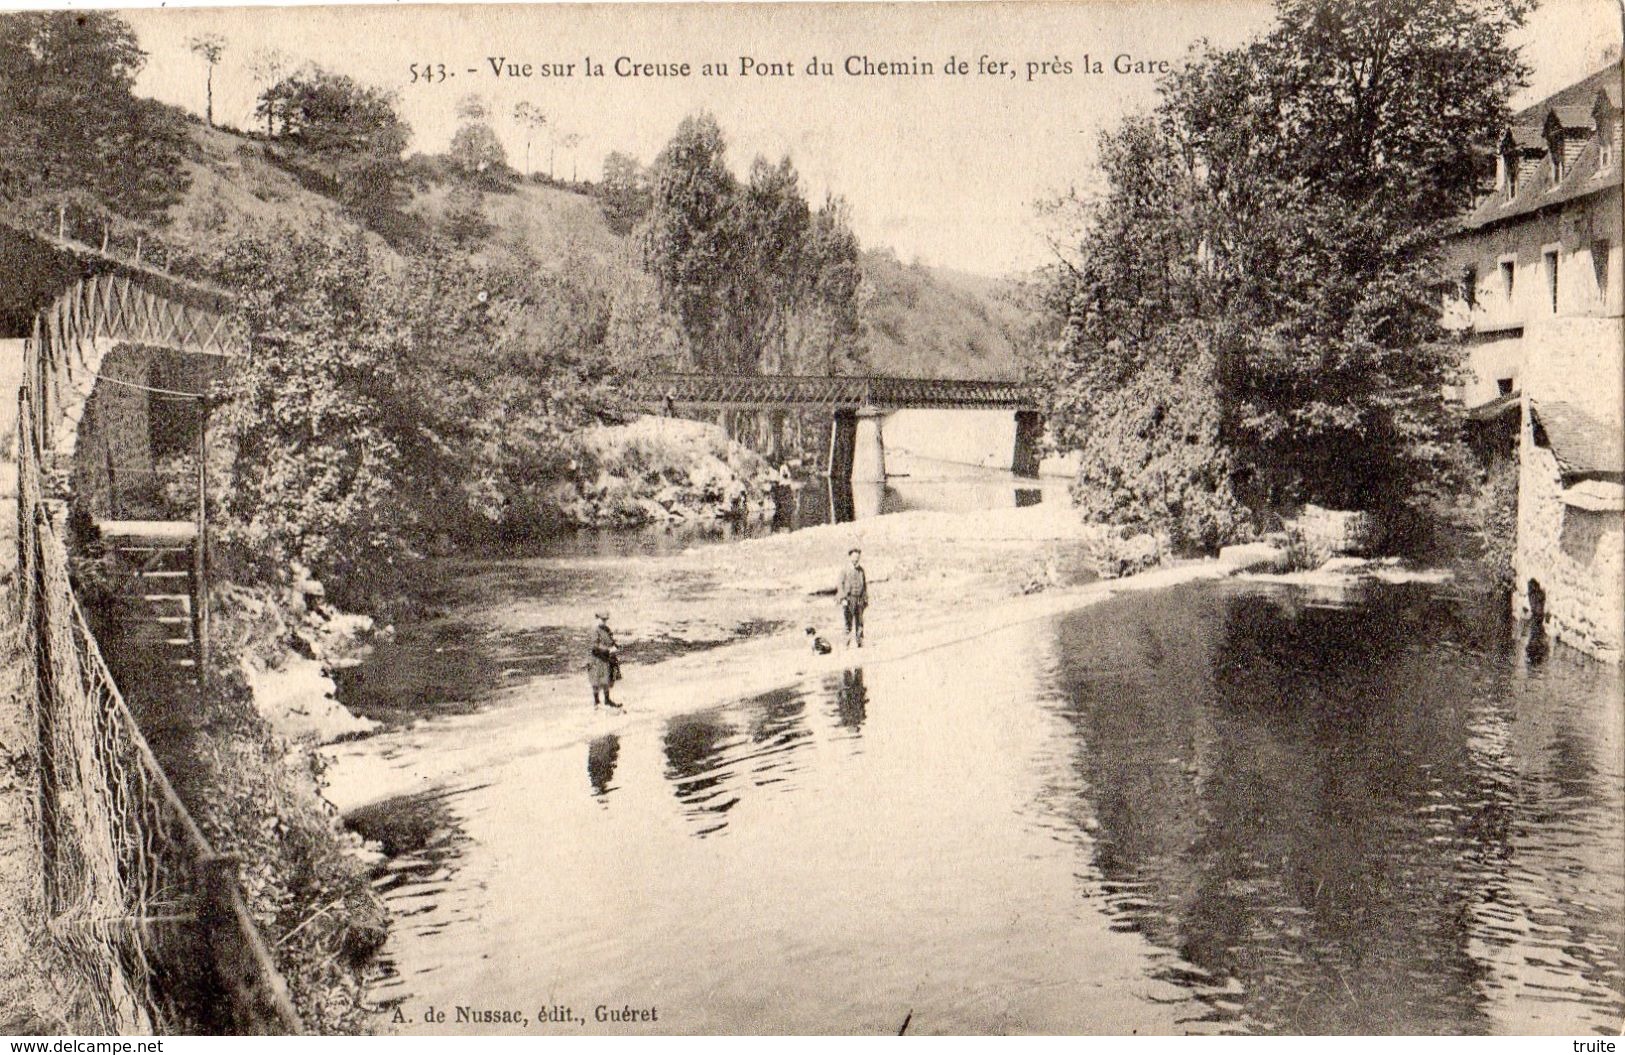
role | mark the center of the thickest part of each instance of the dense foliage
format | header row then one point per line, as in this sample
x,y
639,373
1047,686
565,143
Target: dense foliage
x,y
343,134
383,405
69,123
757,280
1252,308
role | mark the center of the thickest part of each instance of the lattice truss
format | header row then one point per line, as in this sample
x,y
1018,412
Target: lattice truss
x,y
117,307
784,390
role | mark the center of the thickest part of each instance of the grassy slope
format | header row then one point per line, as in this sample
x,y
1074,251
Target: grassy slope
x,y
931,322
917,321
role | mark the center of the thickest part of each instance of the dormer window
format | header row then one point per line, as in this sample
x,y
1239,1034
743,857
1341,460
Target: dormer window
x,y
1509,166
1605,118
1565,131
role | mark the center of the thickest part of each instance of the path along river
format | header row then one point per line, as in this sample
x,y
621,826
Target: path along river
x,y
1223,806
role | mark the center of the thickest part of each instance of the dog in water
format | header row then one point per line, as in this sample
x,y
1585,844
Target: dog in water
x,y
819,645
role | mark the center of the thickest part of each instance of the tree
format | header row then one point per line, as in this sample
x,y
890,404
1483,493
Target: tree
x,y
623,192
571,140
830,342
306,419
1266,256
773,222
267,66
349,134
209,47
687,241
72,123
476,152
532,120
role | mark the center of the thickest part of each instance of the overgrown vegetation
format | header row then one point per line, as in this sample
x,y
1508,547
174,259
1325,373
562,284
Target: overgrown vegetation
x,y
1251,306
71,127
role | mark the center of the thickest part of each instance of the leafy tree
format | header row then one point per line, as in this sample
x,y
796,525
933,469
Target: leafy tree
x,y
348,133
623,193
382,405
267,66
1267,248
209,47
309,419
465,223
773,223
688,244
830,341
476,152
69,122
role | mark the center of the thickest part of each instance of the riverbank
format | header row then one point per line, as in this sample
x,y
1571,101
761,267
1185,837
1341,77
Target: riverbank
x,y
937,579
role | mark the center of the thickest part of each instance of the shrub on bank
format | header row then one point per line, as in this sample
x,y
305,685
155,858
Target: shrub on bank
x,y
661,470
256,795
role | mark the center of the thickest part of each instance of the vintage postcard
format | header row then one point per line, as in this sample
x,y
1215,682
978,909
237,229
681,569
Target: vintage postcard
x,y
985,518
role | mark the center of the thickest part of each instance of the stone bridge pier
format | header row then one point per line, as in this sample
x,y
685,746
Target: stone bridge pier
x,y
857,444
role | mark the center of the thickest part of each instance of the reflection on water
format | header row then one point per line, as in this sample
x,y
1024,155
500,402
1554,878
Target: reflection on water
x,y
1363,820
601,756
851,699
914,483
1210,809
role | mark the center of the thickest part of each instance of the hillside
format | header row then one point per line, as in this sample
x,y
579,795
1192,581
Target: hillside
x,y
932,322
916,321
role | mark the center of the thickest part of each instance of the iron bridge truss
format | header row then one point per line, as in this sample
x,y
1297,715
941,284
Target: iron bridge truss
x,y
746,391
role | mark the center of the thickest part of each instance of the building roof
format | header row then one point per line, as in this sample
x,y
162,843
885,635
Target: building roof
x,y
1569,117
1526,137
1580,93
1573,107
1584,446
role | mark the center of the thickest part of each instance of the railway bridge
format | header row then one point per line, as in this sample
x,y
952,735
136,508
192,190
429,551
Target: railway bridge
x,y
858,407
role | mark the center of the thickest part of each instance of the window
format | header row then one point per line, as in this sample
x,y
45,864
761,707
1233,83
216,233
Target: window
x,y
1503,386
1509,270
1556,149
1550,258
1600,248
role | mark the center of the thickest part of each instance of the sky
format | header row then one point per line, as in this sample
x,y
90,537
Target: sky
x,y
944,168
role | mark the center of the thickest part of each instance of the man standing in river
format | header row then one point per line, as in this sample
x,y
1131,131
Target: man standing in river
x,y
852,594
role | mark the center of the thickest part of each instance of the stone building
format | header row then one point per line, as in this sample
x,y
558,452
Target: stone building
x,y
1539,304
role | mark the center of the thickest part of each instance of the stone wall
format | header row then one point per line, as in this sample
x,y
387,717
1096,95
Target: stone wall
x,y
1575,556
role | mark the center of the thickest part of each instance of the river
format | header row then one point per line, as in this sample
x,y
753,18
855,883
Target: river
x,y
1221,807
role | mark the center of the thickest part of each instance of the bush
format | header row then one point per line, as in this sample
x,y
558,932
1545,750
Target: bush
x,y
661,470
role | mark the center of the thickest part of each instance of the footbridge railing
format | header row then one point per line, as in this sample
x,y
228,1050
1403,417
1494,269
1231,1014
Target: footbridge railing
x,y
135,894
772,391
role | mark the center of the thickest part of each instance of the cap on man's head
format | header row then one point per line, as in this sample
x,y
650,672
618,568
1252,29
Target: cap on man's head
x,y
853,550
601,615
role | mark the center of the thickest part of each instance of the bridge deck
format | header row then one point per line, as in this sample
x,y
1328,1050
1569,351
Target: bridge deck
x,y
740,391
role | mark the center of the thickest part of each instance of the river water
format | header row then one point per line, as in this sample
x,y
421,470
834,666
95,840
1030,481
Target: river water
x,y
1224,807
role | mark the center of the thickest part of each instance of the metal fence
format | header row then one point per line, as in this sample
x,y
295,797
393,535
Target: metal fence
x,y
140,902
